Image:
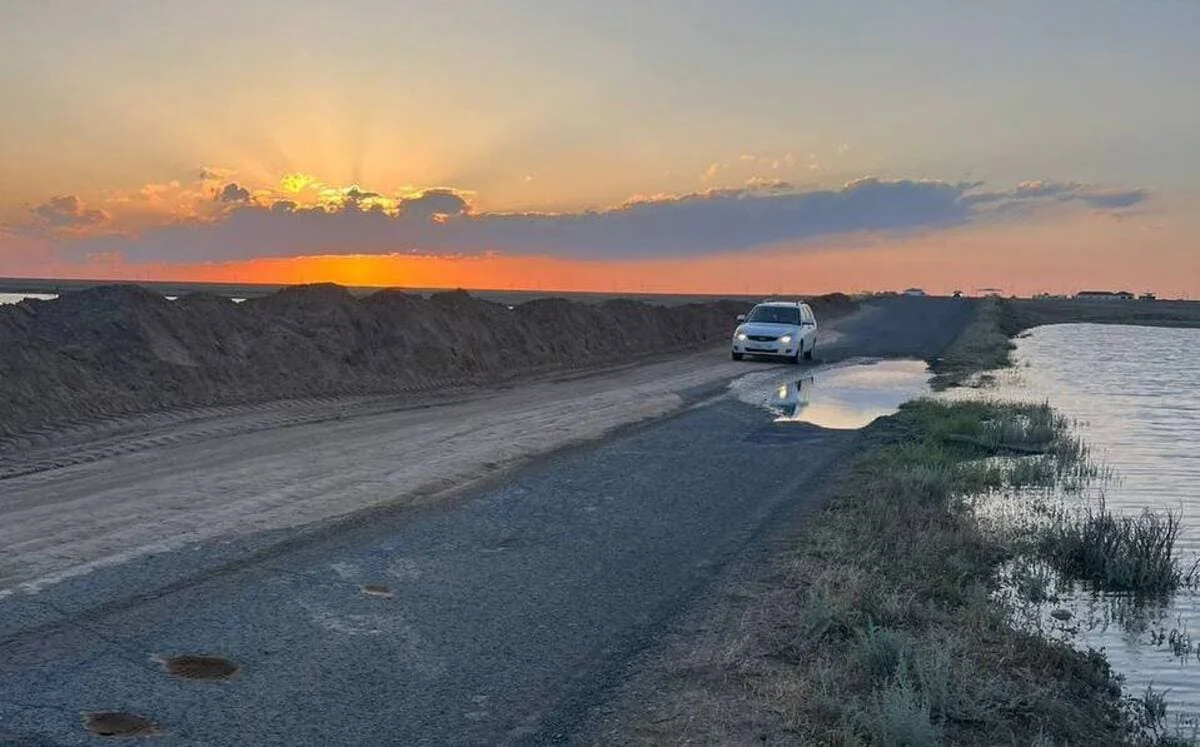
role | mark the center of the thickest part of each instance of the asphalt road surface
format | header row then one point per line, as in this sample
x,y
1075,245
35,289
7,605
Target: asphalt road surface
x,y
399,575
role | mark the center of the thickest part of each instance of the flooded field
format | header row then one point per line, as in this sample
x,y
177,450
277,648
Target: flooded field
x,y
18,297
1135,394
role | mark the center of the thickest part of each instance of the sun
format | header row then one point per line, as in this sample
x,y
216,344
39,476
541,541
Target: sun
x,y
297,182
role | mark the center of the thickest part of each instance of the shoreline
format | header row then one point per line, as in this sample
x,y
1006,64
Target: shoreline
x,y
853,633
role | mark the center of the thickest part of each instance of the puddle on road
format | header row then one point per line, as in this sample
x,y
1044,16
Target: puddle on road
x,y
842,397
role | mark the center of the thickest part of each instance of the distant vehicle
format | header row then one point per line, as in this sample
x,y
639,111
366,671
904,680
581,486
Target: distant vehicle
x,y
914,291
785,329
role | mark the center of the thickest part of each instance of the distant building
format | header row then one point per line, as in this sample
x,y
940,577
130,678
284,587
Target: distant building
x,y
1147,297
914,292
1092,295
1047,296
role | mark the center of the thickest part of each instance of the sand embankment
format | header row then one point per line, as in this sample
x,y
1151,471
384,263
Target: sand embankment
x,y
122,350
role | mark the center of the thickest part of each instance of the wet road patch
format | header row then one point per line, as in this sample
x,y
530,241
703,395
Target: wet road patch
x,y
842,397
192,667
119,724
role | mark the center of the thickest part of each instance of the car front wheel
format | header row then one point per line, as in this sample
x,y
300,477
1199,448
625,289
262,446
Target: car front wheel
x,y
736,356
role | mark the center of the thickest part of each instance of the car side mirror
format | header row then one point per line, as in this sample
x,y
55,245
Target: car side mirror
x,y
741,317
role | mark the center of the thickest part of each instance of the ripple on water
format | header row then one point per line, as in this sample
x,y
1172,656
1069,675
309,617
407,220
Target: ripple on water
x,y
1136,393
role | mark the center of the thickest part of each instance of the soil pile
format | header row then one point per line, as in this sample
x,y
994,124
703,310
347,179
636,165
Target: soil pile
x,y
122,349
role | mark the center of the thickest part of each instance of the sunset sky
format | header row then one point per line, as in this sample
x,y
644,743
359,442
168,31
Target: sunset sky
x,y
666,145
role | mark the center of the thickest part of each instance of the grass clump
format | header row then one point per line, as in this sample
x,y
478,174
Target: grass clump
x,y
983,345
902,717
1116,553
881,623
881,650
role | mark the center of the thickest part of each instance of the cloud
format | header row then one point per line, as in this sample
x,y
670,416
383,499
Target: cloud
x,y
1115,200
67,211
354,194
214,174
433,202
769,184
441,221
244,224
1033,193
233,193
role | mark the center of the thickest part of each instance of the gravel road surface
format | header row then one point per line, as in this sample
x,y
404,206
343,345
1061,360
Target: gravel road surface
x,y
479,569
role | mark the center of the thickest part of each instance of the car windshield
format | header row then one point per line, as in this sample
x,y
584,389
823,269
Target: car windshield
x,y
775,315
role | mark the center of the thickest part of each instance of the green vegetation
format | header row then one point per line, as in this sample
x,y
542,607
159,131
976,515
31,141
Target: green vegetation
x,y
907,575
884,623
983,345
1116,553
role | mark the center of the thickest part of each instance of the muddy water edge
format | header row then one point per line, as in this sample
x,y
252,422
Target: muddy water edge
x,y
1132,396
882,620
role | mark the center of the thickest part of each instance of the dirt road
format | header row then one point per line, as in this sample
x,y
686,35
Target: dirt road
x,y
507,609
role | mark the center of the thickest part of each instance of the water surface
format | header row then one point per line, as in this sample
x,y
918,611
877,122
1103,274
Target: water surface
x,y
18,297
1135,392
843,397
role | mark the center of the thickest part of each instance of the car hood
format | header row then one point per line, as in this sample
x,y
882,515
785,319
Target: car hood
x,y
775,330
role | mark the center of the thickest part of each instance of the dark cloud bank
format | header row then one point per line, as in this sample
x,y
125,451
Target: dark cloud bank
x,y
440,221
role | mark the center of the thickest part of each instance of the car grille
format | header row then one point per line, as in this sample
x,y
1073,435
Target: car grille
x,y
762,338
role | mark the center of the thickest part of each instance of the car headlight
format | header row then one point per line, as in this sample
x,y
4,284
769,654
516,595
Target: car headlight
x,y
741,335
785,339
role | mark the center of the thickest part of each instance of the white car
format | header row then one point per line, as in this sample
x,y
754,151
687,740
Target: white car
x,y
776,328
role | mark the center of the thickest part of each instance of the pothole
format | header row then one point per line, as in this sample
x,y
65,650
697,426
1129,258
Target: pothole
x,y
119,724
200,667
376,590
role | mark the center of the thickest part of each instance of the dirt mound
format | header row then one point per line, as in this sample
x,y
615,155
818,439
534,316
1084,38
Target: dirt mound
x,y
832,305
118,350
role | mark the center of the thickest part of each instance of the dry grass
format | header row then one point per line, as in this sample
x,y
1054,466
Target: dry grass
x,y
1025,313
983,345
879,624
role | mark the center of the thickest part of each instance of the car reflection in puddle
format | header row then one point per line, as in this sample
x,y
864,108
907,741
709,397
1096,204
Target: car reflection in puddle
x,y
848,397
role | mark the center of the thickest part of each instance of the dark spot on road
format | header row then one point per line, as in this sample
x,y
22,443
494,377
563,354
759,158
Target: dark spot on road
x,y
200,667
119,724
375,590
